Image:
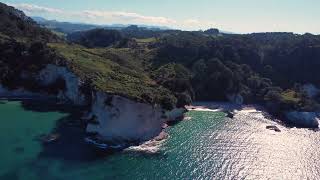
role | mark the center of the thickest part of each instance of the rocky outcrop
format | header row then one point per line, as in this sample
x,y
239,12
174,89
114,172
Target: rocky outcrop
x,y
119,119
51,73
235,98
111,117
303,119
176,114
310,90
116,118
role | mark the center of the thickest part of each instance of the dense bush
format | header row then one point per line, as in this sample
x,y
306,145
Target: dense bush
x,y
167,67
95,37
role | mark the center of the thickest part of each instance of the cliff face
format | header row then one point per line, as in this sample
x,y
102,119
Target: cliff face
x,y
51,73
117,119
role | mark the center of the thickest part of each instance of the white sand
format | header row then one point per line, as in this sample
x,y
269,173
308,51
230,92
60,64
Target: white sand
x,y
222,106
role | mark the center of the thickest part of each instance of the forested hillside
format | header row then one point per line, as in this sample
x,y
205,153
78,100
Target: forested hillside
x,y
261,67
26,48
170,67
268,68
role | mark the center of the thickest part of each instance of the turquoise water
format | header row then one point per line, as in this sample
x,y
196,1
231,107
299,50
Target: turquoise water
x,y
208,146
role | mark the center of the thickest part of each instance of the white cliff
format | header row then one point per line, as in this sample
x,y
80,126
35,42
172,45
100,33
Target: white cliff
x,y
117,118
72,92
123,119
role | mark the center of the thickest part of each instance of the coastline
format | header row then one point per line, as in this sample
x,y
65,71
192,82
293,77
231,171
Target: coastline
x,y
153,146
299,120
234,108
223,106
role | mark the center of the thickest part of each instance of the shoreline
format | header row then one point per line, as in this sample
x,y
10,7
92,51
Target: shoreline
x,y
234,108
248,108
223,106
154,145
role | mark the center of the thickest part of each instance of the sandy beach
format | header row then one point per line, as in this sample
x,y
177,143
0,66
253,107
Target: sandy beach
x,y
222,106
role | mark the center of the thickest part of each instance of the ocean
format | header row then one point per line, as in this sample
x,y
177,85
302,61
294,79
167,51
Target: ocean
x,y
205,146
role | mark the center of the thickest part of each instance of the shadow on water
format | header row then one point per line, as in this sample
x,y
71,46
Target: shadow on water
x,y
70,145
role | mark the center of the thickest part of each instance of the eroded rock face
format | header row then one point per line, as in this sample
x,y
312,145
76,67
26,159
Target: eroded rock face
x,y
52,73
117,118
303,119
176,114
121,119
235,98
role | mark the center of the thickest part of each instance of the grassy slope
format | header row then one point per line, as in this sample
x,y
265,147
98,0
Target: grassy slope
x,y
102,67
290,96
3,38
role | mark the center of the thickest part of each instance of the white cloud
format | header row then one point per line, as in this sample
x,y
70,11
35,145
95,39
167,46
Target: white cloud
x,y
107,17
128,17
197,24
192,21
30,8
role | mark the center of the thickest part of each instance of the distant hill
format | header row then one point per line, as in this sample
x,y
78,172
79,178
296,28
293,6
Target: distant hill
x,y
64,27
95,37
39,19
67,27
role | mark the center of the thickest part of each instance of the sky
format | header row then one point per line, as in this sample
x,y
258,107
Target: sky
x,y
239,16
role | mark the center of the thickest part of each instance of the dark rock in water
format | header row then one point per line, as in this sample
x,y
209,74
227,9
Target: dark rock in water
x,y
229,114
164,126
274,128
48,138
163,135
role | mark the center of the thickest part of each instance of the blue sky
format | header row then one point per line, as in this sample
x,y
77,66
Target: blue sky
x,y
242,16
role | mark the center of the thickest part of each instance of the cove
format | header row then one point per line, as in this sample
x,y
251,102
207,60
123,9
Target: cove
x,y
206,146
